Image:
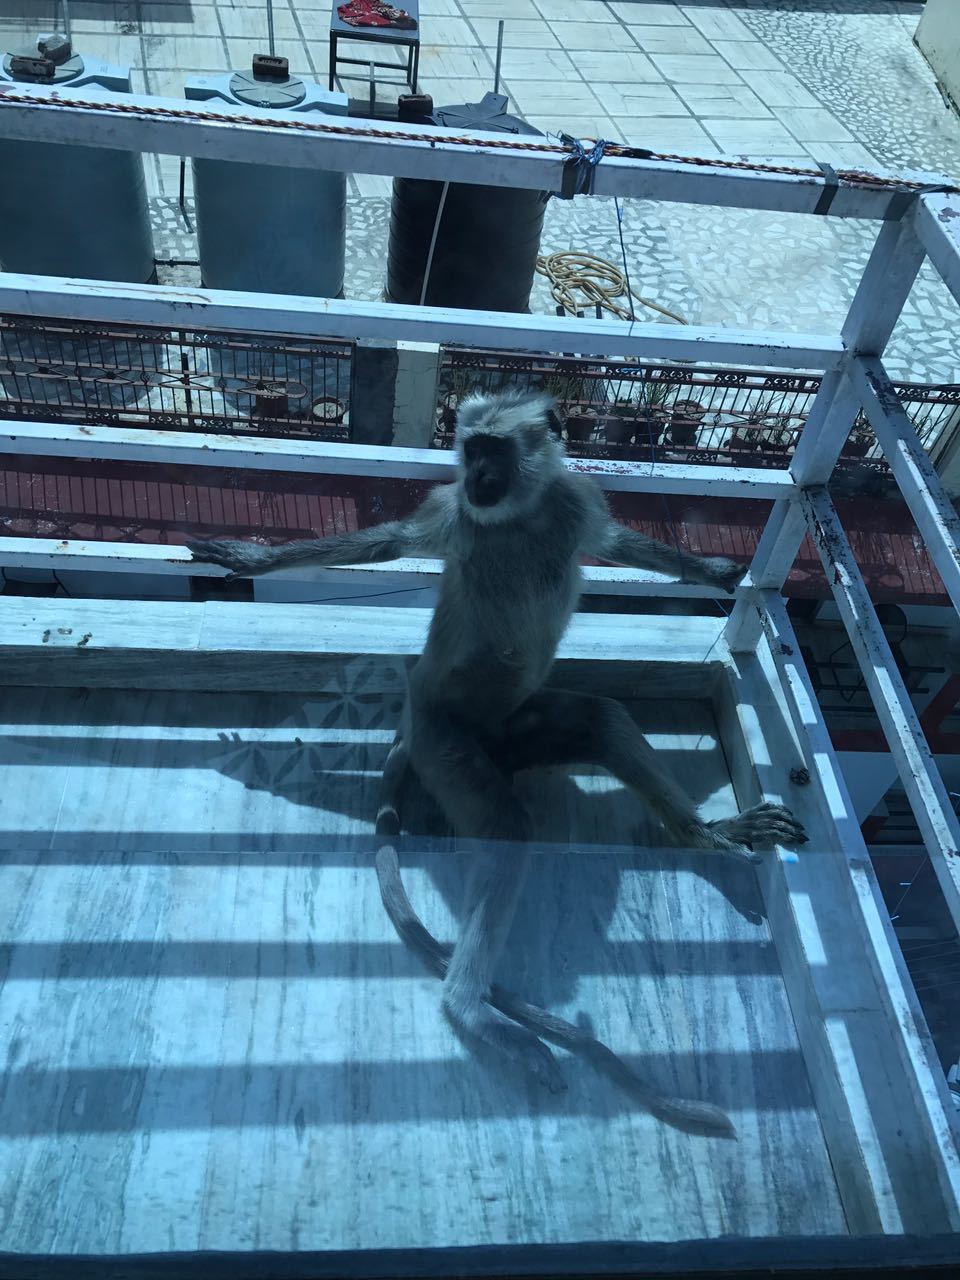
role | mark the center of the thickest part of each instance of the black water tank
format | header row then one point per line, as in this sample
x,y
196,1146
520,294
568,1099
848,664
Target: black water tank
x,y
488,238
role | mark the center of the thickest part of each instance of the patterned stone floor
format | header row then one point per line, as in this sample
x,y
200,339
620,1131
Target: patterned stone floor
x,y
833,80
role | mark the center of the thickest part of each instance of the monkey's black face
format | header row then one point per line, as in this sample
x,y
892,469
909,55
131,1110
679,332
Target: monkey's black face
x,y
490,469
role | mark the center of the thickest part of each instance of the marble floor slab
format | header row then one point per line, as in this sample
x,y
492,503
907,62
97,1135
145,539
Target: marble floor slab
x,y
214,1040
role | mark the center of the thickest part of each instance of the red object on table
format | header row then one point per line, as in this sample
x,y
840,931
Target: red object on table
x,y
374,13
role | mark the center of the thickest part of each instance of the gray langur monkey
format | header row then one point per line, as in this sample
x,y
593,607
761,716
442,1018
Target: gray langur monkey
x,y
511,531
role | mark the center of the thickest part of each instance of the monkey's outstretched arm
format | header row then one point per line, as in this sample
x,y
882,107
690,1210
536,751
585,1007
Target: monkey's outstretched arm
x,y
695,1117
625,546
422,534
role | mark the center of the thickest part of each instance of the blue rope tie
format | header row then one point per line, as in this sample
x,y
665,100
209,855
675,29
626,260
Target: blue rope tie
x,y
578,168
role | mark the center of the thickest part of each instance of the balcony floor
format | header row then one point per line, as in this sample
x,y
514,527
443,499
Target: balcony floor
x,y
215,1041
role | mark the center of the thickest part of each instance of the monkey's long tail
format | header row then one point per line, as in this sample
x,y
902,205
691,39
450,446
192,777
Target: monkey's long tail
x,y
696,1117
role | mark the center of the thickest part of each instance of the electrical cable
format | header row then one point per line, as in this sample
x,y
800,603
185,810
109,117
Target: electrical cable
x,y
896,910
433,243
371,595
623,255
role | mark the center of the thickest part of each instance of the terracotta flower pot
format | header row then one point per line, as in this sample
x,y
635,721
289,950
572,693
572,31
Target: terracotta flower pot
x,y
857,445
580,426
741,440
648,427
328,409
618,430
270,400
685,419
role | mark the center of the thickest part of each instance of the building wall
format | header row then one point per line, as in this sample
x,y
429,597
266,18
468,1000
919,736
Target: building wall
x,y
938,37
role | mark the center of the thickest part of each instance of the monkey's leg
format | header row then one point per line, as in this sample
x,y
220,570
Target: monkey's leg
x,y
558,727
697,1117
479,802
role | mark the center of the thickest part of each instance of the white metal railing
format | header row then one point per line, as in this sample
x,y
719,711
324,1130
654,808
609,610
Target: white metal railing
x,y
919,217
188,448
170,126
175,307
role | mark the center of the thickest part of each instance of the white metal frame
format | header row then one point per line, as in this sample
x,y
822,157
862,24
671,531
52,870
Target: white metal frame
x,y
919,218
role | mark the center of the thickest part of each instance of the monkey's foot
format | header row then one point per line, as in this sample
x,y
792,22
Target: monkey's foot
x,y
243,559
513,1041
763,824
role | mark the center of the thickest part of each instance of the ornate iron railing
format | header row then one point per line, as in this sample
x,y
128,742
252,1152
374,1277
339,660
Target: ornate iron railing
x,y
677,412
244,384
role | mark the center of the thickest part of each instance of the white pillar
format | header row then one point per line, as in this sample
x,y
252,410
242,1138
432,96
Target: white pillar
x,y
415,397
938,38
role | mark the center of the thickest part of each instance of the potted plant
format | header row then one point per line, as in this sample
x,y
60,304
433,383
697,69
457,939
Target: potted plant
x,y
270,400
859,442
777,439
448,417
458,387
650,414
620,421
745,437
748,436
685,419
581,423
567,389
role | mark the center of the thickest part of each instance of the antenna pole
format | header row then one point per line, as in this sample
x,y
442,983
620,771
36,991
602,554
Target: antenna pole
x,y
496,70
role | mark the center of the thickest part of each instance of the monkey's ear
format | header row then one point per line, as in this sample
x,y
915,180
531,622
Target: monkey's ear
x,y
469,412
537,411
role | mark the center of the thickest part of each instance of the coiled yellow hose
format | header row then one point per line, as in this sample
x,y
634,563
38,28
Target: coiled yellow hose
x,y
579,281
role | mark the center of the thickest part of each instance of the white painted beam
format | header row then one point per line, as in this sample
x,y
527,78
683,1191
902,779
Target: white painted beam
x,y
197,309
915,762
937,222
263,453
771,564
879,1140
927,1086
888,277
228,132
884,287
920,485
175,629
154,558
827,426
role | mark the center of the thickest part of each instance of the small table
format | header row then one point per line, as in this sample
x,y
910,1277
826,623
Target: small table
x,y
409,37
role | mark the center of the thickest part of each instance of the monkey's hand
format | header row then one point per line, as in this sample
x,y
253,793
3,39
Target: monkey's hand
x,y
716,571
243,559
